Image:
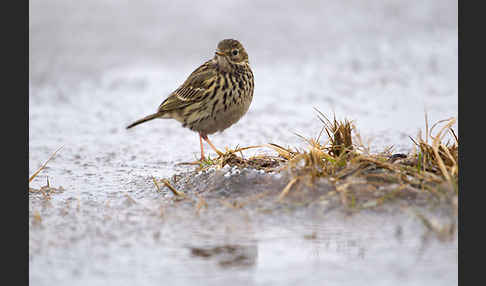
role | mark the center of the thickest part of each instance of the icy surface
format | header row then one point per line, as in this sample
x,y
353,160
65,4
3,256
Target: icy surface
x,y
95,66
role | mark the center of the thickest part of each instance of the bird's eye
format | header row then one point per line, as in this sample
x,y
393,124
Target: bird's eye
x,y
235,52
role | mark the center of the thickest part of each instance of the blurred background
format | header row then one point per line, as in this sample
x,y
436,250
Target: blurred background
x,y
380,63
92,36
97,65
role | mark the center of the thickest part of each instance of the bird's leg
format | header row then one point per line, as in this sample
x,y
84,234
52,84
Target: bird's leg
x,y
205,137
203,158
202,148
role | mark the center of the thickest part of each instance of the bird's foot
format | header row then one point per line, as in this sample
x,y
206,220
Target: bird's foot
x,y
202,161
190,163
198,162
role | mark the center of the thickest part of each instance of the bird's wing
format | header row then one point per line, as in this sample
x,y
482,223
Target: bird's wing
x,y
193,89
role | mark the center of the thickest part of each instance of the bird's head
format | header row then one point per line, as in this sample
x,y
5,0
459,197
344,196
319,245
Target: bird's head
x,y
232,51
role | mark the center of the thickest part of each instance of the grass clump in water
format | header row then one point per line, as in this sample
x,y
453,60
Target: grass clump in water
x,y
360,178
433,168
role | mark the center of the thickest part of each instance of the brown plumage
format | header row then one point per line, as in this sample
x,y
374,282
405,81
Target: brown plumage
x,y
214,97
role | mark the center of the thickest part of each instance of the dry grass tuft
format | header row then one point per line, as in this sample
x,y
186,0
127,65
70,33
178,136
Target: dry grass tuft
x,y
360,179
339,134
43,165
230,157
439,157
46,190
355,173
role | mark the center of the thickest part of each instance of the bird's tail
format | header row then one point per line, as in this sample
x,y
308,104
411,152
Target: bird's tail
x,y
146,118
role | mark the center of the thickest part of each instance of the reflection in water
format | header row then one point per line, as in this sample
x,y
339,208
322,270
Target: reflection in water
x,y
229,255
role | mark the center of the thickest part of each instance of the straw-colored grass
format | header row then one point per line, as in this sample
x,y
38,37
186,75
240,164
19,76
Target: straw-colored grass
x,y
46,190
31,178
340,161
432,167
230,157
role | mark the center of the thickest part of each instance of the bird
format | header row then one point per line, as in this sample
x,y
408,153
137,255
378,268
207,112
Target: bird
x,y
215,96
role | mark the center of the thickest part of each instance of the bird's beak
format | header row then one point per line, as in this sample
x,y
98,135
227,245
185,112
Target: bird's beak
x,y
219,53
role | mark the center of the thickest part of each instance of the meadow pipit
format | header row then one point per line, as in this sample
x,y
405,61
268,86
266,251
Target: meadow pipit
x,y
214,97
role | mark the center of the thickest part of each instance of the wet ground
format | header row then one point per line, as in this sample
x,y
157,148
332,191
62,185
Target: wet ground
x,y
95,66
